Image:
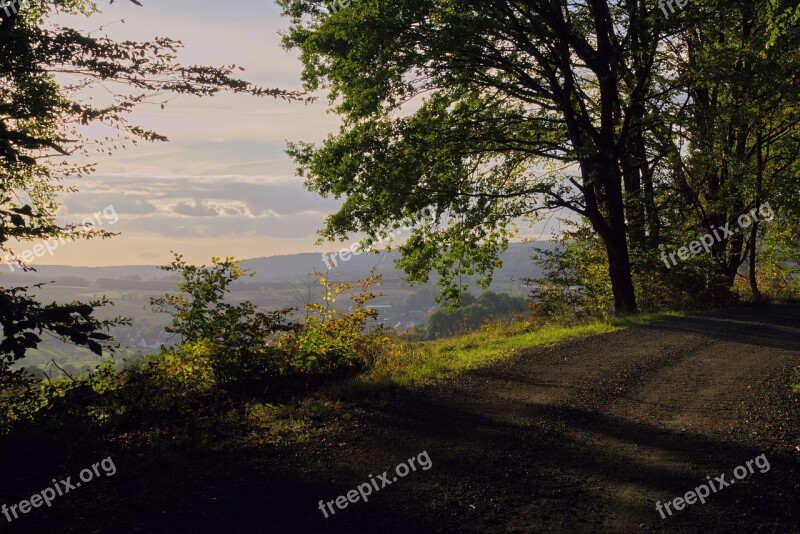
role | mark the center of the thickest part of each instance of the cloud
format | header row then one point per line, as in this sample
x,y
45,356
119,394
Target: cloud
x,y
223,184
82,204
179,207
293,226
195,209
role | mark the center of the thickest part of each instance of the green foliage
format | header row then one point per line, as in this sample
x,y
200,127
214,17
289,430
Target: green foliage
x,y
332,341
25,320
23,399
779,260
240,336
734,144
224,349
166,389
575,279
653,129
472,313
251,346
186,370
492,112
177,380
688,286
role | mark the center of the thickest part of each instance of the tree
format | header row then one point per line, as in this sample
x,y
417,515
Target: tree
x,y
238,334
530,106
736,135
44,71
641,122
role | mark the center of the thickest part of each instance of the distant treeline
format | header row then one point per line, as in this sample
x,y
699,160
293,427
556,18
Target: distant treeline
x,y
473,312
129,284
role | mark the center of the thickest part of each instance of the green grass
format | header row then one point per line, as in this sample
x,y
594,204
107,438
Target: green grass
x,y
411,363
417,363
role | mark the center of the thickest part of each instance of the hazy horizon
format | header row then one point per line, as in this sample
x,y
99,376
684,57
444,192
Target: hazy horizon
x,y
222,186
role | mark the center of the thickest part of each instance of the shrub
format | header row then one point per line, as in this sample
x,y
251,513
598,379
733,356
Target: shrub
x,y
64,398
473,313
332,341
575,280
237,337
180,372
222,347
245,345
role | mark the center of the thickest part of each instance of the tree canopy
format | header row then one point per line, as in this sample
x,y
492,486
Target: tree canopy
x,y
643,125
46,73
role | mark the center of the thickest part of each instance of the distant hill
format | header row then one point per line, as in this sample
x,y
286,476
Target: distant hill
x,y
516,264
279,282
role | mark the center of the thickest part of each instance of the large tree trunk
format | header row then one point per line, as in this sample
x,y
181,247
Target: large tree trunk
x,y
604,184
634,168
619,269
634,204
752,265
619,262
760,165
619,265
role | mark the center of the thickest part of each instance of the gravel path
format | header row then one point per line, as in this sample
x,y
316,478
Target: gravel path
x,y
585,436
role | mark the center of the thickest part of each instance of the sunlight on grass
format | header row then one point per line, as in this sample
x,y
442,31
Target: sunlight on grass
x,y
414,363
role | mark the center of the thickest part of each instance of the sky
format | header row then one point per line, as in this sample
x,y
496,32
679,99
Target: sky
x,y
222,186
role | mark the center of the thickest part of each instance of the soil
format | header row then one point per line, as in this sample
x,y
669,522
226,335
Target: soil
x,y
583,436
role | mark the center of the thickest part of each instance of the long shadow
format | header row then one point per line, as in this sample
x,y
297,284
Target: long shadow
x,y
498,466
774,327
551,442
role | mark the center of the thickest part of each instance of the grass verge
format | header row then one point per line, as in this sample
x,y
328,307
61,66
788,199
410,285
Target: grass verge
x,y
423,362
406,364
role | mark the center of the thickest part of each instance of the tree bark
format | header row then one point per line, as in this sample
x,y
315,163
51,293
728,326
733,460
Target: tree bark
x,y
752,265
612,229
619,270
752,274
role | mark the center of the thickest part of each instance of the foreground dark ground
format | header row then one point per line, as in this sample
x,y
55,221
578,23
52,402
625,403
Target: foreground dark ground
x,y
585,436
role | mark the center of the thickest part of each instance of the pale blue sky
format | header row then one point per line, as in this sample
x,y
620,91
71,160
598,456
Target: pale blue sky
x,y
222,186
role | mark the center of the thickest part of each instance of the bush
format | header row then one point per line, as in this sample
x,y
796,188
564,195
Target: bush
x,y
223,347
576,281
66,399
778,270
473,313
181,372
332,341
245,345
237,337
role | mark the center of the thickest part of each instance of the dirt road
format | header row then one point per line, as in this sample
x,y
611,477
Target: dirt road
x,y
585,436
